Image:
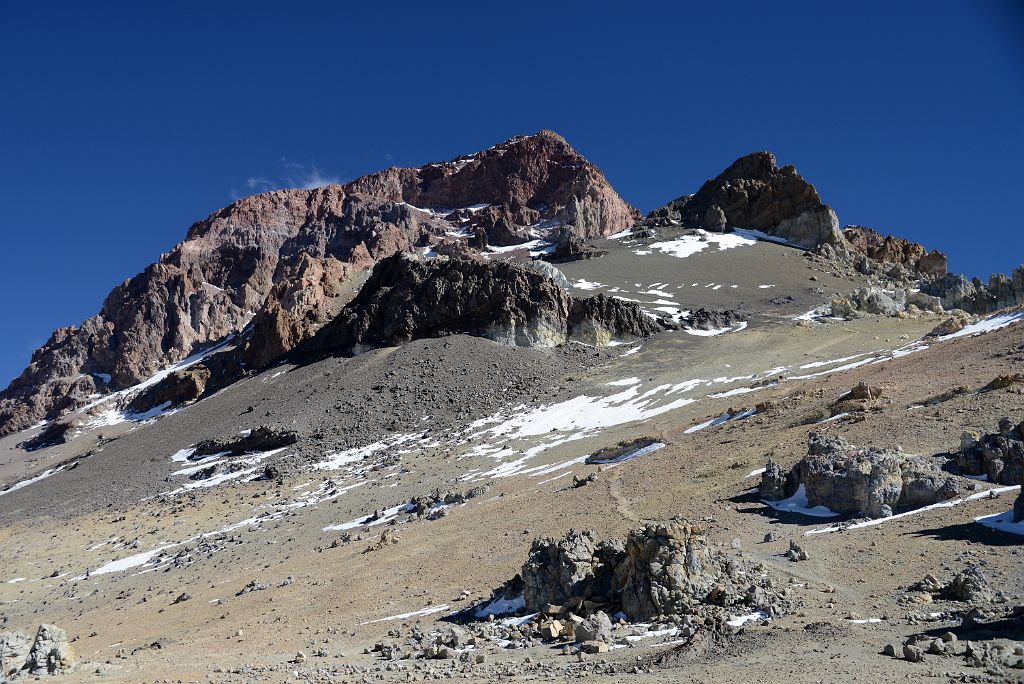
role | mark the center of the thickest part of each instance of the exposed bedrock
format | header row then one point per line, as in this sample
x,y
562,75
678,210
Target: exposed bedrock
x,y
408,298
754,192
660,571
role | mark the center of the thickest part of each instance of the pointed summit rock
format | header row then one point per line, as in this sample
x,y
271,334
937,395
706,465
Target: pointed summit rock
x,y
755,193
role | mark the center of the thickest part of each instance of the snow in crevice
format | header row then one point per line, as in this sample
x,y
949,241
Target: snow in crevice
x,y
798,504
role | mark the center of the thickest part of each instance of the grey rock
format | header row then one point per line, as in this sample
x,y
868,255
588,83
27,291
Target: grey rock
x,y
51,653
970,584
597,627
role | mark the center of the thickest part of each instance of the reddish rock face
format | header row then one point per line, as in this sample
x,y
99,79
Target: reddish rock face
x,y
525,180
891,249
281,259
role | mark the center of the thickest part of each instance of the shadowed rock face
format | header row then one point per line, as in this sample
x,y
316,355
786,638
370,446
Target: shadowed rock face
x,y
755,193
279,261
408,298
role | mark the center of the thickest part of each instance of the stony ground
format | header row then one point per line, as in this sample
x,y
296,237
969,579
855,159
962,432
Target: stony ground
x,y
230,582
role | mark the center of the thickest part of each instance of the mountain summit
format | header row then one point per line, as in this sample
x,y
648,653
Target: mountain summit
x,y
286,261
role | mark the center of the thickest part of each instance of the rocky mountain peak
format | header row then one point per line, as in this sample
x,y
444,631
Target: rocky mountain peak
x,y
283,263
755,193
519,188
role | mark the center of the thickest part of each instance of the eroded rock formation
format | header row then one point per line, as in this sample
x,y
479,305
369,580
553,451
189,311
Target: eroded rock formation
x,y
408,298
754,192
861,481
661,571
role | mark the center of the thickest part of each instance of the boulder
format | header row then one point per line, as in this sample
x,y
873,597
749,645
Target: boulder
x,y
999,455
597,627
262,438
969,585
14,648
51,653
957,321
53,434
869,300
571,247
713,319
863,481
180,387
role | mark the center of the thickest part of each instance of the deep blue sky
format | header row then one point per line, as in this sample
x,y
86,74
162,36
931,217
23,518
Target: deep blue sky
x,y
122,123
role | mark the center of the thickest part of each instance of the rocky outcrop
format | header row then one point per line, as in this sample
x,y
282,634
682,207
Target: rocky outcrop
x,y
999,456
889,249
408,298
577,566
55,433
525,181
976,297
285,261
713,319
662,571
571,247
262,438
755,193
51,653
180,387
861,481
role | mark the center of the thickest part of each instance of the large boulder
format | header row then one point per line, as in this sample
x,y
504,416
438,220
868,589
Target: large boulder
x,y
51,653
862,481
180,387
263,438
999,455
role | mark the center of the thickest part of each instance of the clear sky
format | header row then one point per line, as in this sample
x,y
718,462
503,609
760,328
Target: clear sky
x,y
123,123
